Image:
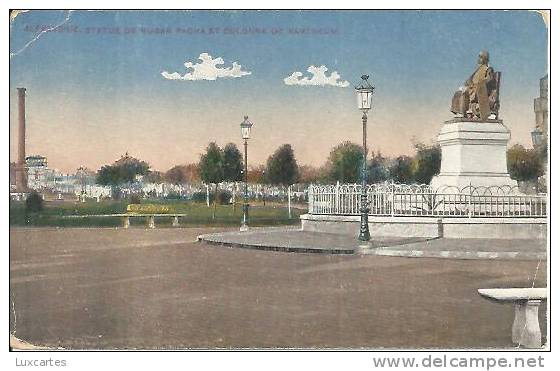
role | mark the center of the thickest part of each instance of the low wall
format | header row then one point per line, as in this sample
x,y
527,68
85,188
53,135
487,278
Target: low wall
x,y
507,228
429,227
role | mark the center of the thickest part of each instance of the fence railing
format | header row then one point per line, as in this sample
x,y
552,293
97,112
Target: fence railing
x,y
421,200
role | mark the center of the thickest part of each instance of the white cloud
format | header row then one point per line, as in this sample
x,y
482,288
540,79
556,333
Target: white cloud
x,y
207,69
318,78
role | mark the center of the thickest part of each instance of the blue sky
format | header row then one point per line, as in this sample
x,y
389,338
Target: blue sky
x,y
93,96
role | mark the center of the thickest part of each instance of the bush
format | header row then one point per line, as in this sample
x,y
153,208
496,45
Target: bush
x,y
174,196
135,199
200,197
524,164
34,202
224,197
401,171
426,163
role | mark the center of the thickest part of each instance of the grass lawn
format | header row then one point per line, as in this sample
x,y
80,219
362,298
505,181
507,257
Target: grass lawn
x,y
198,214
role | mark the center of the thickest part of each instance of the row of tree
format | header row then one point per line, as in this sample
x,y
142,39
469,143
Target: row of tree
x,y
344,164
217,165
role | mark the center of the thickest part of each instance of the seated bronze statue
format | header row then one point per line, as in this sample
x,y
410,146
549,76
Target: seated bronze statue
x,y
479,97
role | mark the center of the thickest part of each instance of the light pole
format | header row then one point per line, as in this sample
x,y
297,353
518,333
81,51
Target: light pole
x,y
537,136
263,189
364,93
81,173
245,134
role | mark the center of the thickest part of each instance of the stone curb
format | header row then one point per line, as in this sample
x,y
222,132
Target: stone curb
x,y
256,246
462,255
222,240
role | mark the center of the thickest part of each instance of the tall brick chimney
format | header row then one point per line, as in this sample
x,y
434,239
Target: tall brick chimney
x,y
21,171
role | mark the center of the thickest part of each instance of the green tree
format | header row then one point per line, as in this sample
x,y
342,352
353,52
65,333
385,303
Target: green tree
x,y
524,164
345,163
401,170
108,175
124,170
378,170
233,167
233,163
211,167
426,162
282,167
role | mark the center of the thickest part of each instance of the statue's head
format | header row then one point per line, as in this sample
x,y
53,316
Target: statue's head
x,y
483,57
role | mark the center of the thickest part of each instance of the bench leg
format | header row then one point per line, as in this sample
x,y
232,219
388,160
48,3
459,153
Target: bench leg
x,y
518,322
126,222
175,221
531,337
151,222
526,330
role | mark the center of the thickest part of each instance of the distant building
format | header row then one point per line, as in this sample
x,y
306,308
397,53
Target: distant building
x,y
45,180
36,161
39,175
539,135
541,112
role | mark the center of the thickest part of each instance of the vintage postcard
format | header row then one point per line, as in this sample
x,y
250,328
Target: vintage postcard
x,y
279,179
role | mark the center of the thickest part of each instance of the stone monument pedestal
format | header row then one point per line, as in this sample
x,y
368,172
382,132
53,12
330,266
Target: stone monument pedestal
x,y
473,153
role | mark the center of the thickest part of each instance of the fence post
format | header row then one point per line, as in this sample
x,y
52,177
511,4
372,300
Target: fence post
x,y
392,201
470,205
337,198
289,202
310,198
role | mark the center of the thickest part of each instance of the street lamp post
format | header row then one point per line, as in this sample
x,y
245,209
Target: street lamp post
x,y
537,137
81,174
245,134
263,188
364,94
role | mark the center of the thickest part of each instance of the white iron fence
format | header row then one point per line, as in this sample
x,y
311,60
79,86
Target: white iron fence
x,y
421,200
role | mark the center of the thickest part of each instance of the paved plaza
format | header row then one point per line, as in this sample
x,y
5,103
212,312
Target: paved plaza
x,y
294,239
162,289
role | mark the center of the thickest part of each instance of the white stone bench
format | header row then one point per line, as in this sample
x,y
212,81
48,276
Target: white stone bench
x,y
150,218
525,330
150,211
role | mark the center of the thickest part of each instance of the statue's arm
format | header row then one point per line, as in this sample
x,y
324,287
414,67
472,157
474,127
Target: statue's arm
x,y
490,74
469,81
